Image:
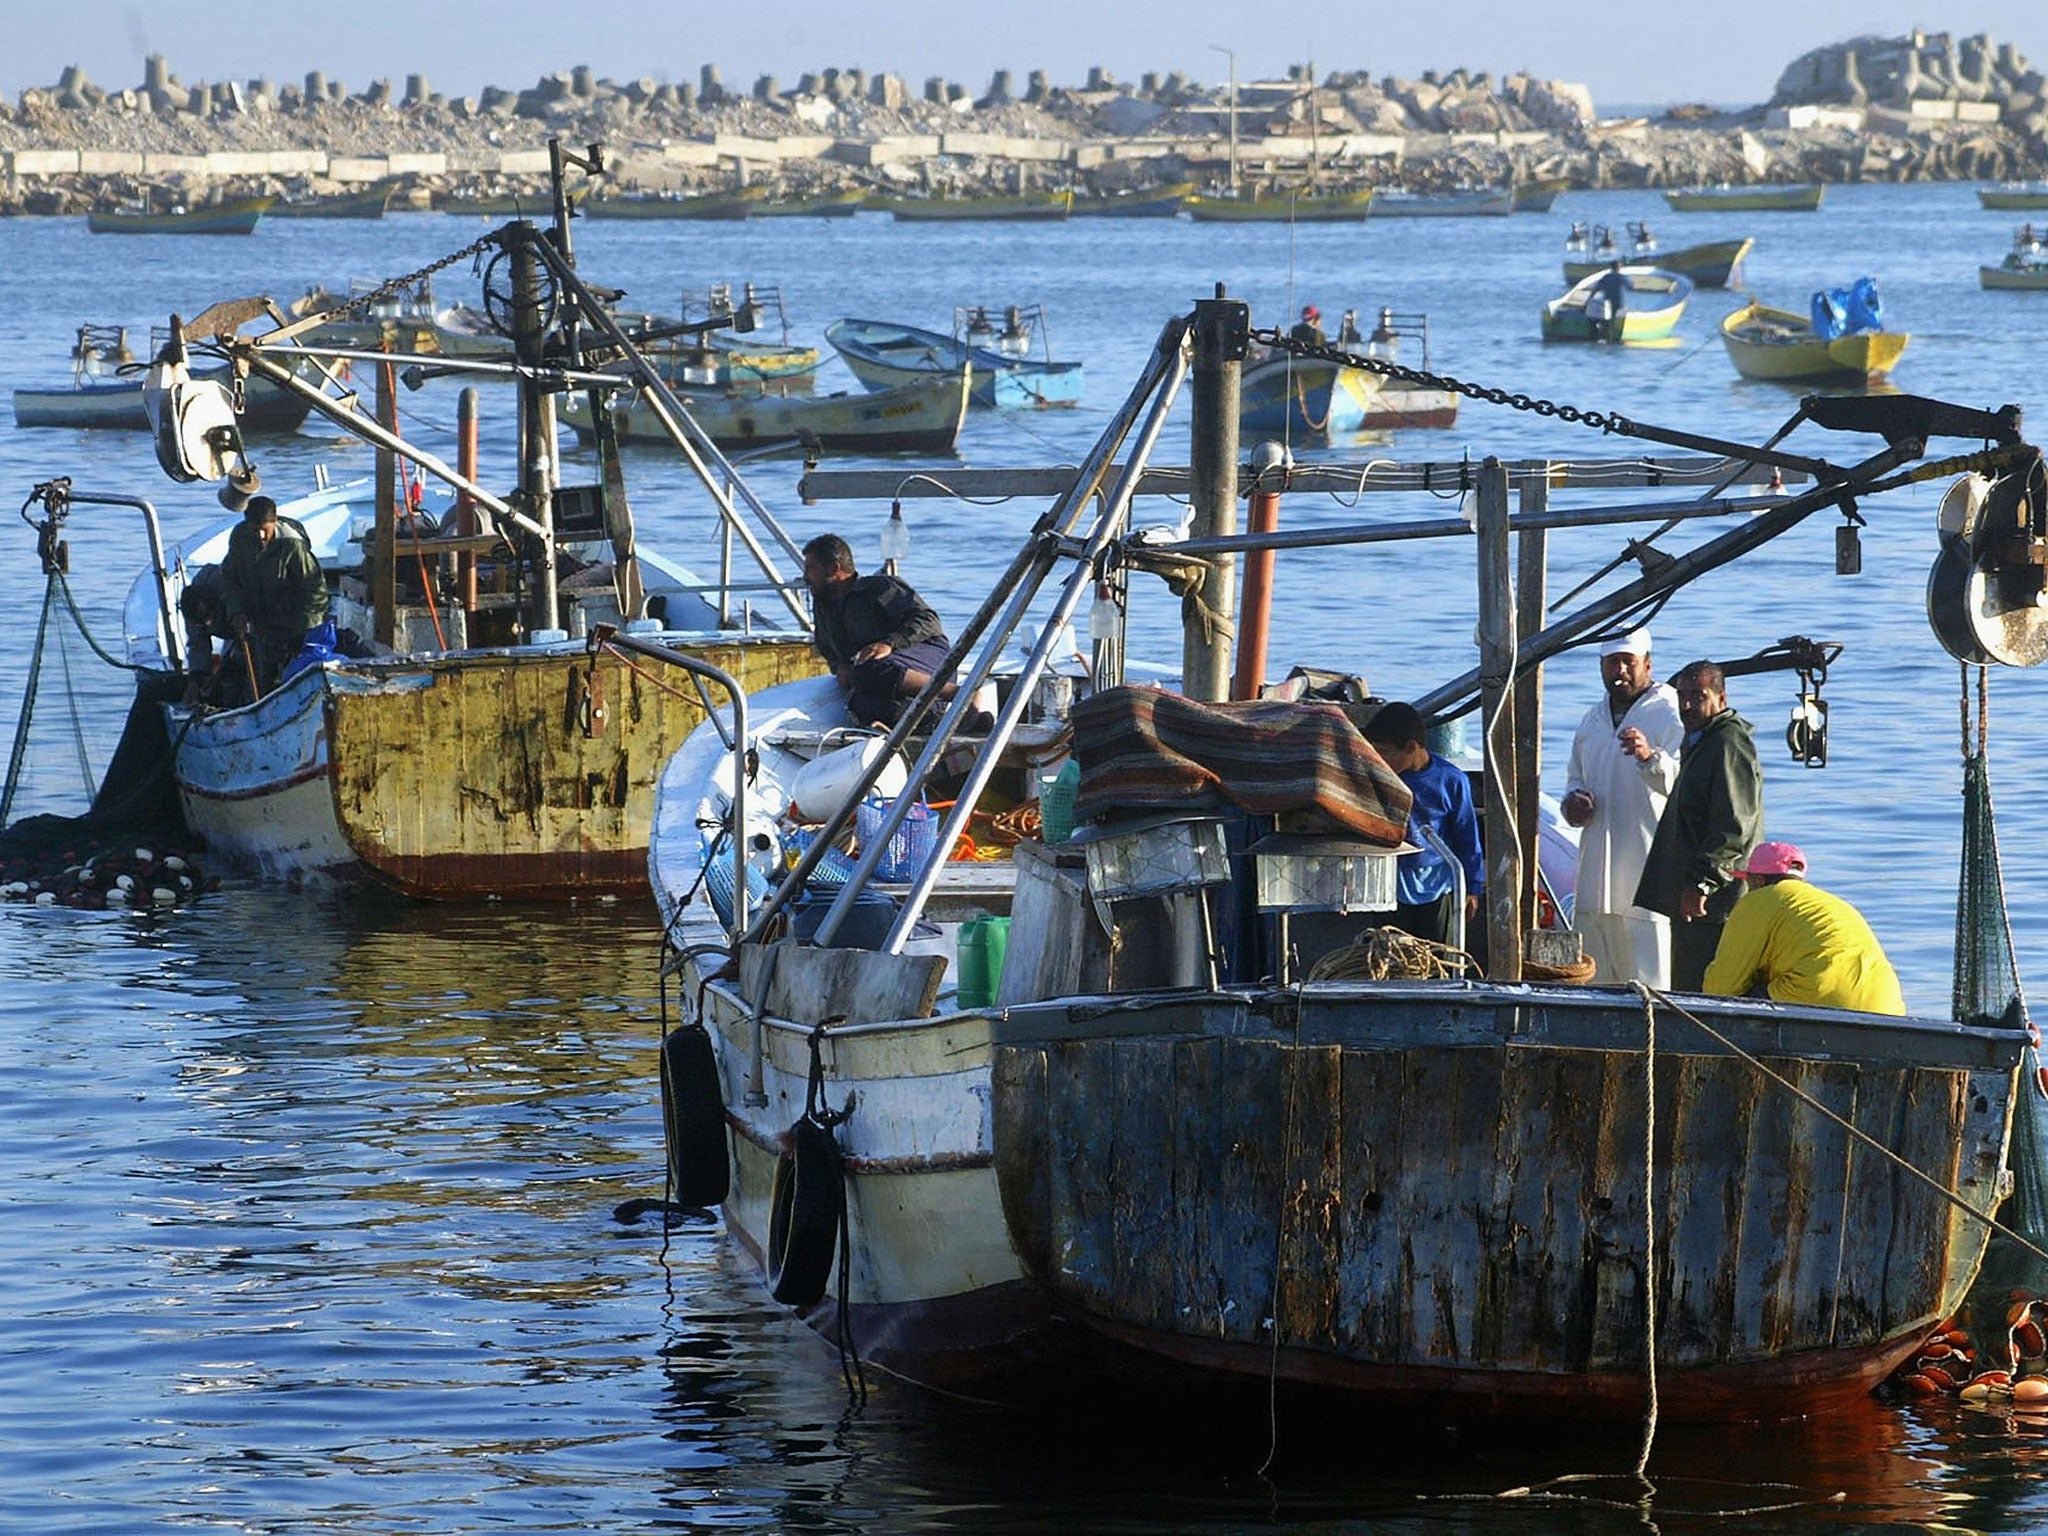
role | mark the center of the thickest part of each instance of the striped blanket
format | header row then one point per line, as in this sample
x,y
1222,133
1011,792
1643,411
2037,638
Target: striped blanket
x,y
1144,750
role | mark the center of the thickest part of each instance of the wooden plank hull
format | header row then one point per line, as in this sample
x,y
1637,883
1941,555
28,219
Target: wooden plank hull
x,y
885,355
2031,276
1041,208
924,417
115,404
1540,195
1401,407
451,777
1303,397
1777,345
1159,203
370,204
231,218
1345,208
1795,199
1714,265
2013,199
720,205
1494,202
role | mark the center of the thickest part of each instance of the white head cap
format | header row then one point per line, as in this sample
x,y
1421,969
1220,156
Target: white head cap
x,y
1635,643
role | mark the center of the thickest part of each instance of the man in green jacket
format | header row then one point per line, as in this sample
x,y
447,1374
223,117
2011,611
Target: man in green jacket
x,y
1712,820
275,589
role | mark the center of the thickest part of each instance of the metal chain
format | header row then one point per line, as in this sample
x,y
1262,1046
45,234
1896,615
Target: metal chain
x,y
399,285
1601,421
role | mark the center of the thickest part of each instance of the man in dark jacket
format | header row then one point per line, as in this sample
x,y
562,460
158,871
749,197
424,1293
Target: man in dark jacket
x,y
881,641
275,589
1714,817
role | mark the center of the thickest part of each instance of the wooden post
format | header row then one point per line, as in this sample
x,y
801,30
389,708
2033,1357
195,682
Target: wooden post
x,y
467,522
1256,614
384,560
1532,551
1497,726
1222,334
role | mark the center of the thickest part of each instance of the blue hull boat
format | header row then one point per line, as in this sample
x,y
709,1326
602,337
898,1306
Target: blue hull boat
x,y
884,355
1305,397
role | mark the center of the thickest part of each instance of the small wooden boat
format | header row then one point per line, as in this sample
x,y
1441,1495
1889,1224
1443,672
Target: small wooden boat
x,y
884,355
1644,306
1287,208
2014,196
370,203
1777,345
2025,265
823,205
1491,201
1304,397
1759,199
510,205
1716,264
1538,195
1152,203
1027,207
739,204
1399,405
923,417
99,397
235,217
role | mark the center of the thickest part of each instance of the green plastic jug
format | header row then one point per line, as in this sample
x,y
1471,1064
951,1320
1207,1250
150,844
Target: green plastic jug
x,y
984,940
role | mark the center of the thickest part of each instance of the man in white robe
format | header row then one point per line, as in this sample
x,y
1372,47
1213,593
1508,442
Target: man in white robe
x,y
1623,764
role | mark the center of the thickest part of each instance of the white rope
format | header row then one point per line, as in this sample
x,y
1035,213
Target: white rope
x,y
1649,1230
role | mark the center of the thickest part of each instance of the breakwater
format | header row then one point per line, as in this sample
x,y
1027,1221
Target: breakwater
x,y
1924,106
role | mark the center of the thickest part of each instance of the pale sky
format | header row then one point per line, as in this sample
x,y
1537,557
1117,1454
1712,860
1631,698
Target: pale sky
x,y
1729,51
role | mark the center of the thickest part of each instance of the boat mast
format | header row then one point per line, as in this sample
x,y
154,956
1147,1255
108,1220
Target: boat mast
x,y
539,462
1222,335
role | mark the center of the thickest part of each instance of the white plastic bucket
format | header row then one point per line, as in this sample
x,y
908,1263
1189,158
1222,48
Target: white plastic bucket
x,y
829,780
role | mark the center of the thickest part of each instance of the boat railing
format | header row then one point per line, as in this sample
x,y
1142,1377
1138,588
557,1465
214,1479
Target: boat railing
x,y
1008,330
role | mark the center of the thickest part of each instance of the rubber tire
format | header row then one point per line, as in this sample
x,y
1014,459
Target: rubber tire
x,y
693,1119
803,1215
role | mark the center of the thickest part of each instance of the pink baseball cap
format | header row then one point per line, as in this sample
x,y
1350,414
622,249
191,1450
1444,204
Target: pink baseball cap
x,y
1776,859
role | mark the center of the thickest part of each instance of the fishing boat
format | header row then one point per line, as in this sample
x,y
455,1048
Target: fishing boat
x,y
1282,208
100,396
507,205
408,318
1466,203
1144,203
1778,345
1401,404
1715,264
1540,193
1131,1154
886,355
2014,197
1023,207
1293,398
1646,307
1757,199
237,216
922,417
738,204
370,203
821,205
2025,265
481,747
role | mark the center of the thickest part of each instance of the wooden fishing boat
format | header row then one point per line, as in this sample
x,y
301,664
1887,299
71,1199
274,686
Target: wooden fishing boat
x,y
370,203
1459,1197
1302,208
1715,264
2014,196
886,355
1757,199
822,205
739,204
1470,203
1026,207
1149,203
1781,346
238,216
922,417
2025,265
1540,193
101,398
1305,398
509,205
1648,308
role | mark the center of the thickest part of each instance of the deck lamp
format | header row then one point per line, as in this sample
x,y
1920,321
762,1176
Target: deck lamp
x,y
895,538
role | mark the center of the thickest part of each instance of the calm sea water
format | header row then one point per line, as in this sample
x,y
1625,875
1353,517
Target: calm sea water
x,y
310,1197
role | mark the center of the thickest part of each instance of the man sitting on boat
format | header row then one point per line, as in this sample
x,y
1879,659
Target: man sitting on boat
x,y
880,639
1799,944
1604,303
275,588
1308,330
1425,884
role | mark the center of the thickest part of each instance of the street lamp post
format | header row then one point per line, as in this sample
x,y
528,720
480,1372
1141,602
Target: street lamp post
x,y
1231,54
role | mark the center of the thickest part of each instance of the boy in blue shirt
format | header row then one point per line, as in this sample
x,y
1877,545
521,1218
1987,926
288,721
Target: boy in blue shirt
x,y
1425,885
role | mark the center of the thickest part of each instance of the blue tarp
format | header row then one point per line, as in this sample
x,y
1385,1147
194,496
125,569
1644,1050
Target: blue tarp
x,y
1846,311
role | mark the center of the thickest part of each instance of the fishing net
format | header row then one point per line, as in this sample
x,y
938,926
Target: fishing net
x,y
1987,982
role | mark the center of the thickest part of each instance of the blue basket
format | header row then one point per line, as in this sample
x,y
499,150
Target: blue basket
x,y
834,869
718,881
912,846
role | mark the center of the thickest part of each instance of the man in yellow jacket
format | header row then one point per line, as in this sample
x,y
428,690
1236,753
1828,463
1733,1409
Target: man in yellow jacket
x,y
1801,944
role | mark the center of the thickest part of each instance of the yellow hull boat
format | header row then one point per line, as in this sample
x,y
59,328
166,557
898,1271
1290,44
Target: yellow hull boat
x,y
1776,344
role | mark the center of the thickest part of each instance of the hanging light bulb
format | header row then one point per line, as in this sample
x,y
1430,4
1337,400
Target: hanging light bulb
x,y
895,538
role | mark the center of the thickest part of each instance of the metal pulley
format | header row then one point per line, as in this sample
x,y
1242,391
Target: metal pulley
x,y
1987,595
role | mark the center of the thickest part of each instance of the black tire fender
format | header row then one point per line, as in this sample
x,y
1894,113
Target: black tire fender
x,y
803,1216
693,1119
